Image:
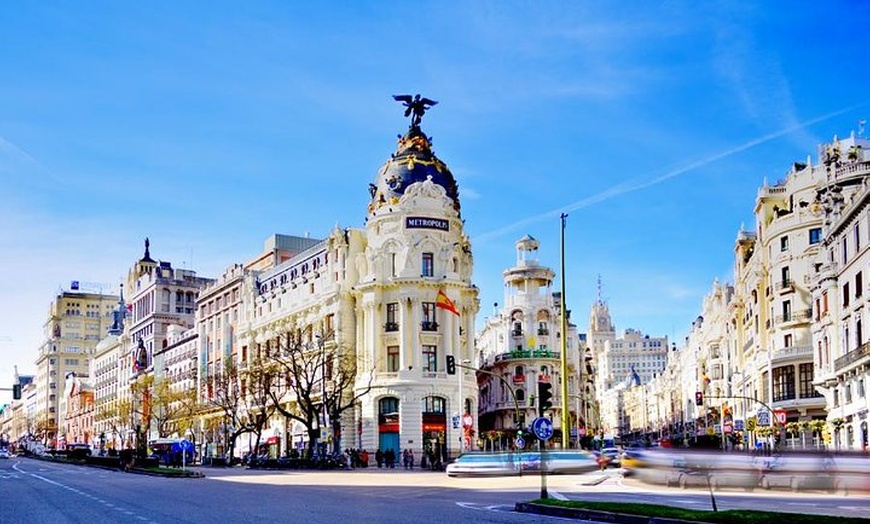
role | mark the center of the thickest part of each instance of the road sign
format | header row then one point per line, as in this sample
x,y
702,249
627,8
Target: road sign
x,y
520,442
186,446
727,428
763,417
780,416
738,424
467,421
543,428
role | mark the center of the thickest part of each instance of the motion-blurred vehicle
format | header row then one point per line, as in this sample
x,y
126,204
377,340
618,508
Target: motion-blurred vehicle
x,y
613,456
515,463
4,453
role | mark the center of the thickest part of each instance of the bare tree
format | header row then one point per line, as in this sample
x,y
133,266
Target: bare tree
x,y
317,378
238,395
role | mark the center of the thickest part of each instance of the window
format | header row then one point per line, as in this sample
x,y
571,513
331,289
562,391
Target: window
x,y
428,269
783,243
857,238
786,277
392,264
434,405
815,235
845,250
786,310
392,358
859,284
392,317
806,381
429,323
430,358
787,341
518,371
846,294
783,383
542,328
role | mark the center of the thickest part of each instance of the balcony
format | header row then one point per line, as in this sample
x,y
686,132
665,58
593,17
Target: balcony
x,y
391,326
517,333
798,316
526,353
852,357
428,325
543,331
792,352
785,286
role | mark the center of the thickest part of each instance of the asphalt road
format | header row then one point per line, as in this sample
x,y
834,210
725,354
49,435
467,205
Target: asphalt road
x,y
34,492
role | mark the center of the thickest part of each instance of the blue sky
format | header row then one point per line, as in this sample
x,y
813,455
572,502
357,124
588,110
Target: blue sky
x,y
208,126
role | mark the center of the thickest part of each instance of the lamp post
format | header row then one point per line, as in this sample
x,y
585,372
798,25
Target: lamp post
x,y
323,417
564,352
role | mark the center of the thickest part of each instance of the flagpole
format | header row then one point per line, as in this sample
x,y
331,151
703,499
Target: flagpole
x,y
564,352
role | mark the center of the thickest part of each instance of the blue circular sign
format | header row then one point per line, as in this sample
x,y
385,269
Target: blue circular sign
x,y
543,428
520,443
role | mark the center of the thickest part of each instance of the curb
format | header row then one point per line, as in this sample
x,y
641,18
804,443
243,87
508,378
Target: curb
x,y
595,515
136,471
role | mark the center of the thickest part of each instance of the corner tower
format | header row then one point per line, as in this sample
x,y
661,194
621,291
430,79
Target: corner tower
x,y
416,302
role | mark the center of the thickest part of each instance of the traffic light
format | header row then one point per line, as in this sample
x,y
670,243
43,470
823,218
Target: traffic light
x,y
545,397
16,391
451,365
699,398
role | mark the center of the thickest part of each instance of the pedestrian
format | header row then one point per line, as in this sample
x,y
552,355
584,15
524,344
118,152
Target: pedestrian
x,y
379,457
390,458
364,457
410,459
405,458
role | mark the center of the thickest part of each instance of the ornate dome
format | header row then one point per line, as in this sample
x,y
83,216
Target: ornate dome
x,y
412,162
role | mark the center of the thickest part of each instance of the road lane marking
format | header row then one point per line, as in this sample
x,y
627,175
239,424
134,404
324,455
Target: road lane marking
x,y
78,492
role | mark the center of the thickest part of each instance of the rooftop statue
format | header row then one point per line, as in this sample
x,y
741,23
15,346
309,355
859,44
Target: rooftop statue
x,y
416,107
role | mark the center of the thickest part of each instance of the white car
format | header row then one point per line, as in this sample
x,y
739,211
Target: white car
x,y
4,454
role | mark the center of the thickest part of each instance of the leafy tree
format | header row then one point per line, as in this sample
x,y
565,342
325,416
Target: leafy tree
x,y
117,414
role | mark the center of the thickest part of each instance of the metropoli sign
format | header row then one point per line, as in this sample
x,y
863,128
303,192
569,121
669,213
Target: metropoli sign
x,y
427,223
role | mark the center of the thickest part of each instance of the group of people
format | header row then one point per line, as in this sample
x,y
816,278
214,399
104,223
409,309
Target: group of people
x,y
388,458
357,458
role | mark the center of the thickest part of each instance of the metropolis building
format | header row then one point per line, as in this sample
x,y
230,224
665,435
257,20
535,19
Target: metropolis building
x,y
371,293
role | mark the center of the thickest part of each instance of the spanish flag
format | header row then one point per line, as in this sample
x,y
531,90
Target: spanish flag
x,y
445,303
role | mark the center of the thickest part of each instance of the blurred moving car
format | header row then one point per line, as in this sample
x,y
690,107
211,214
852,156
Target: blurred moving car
x,y
613,456
516,463
4,453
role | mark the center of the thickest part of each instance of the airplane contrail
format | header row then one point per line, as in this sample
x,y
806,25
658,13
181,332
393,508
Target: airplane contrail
x,y
7,146
638,182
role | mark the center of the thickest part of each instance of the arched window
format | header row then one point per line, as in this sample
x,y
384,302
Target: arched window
x,y
387,408
519,371
434,405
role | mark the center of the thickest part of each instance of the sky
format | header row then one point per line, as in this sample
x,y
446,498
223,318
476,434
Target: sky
x,y
209,126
